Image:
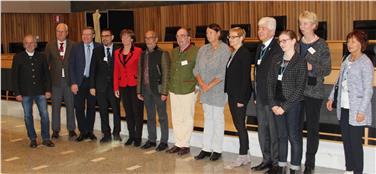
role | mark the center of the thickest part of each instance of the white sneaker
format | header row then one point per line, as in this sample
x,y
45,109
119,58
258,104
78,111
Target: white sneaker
x,y
241,160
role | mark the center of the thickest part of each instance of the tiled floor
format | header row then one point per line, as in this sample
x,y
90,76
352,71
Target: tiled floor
x,y
93,157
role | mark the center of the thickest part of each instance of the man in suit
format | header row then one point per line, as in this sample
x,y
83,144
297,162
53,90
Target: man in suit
x,y
152,88
57,53
101,85
79,68
32,82
266,124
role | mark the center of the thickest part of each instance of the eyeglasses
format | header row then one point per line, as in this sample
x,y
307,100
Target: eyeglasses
x,y
105,35
232,37
181,36
283,41
149,38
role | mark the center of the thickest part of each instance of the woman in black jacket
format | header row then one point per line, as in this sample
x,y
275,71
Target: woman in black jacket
x,y
286,83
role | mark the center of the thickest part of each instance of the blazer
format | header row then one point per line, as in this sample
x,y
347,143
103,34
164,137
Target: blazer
x,y
360,86
293,81
31,76
238,76
55,64
77,63
101,69
125,71
261,71
159,70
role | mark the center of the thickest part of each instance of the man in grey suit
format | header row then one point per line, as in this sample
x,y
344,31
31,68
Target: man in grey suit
x,y
57,54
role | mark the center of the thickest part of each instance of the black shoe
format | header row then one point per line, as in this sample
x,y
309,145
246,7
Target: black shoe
x,y
55,134
293,171
48,143
33,143
72,134
272,170
281,170
129,142
91,136
183,151
215,156
202,155
105,139
137,143
173,149
262,166
117,137
148,145
81,137
162,146
308,170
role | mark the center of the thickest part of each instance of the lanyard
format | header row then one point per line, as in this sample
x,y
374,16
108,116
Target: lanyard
x,y
283,67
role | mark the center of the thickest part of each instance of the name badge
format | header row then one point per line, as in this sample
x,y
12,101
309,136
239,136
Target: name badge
x,y
259,62
311,50
280,77
61,53
184,62
105,59
62,72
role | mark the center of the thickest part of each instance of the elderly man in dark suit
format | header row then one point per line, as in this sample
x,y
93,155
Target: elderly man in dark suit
x,y
57,54
79,69
266,124
101,85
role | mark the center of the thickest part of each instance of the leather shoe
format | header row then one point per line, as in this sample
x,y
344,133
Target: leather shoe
x,y
48,143
293,171
272,170
308,170
262,166
33,143
81,137
55,134
202,155
183,151
173,149
162,146
137,143
105,139
72,134
91,136
148,145
117,137
215,156
129,142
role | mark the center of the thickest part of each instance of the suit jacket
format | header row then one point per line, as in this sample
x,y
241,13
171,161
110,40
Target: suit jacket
x,y
101,70
56,65
261,71
77,63
293,81
126,71
238,76
31,76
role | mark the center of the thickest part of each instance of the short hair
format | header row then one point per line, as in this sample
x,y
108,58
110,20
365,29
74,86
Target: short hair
x,y
89,28
128,32
311,16
240,31
188,30
292,35
360,36
268,22
63,24
215,27
33,37
154,33
108,30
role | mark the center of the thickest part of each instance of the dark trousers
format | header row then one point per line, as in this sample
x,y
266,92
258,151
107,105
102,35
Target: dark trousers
x,y
153,102
238,117
81,99
134,110
106,99
311,108
289,129
352,143
267,133
59,94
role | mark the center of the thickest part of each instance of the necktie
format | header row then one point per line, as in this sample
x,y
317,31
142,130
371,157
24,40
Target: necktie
x,y
61,50
263,50
108,53
87,61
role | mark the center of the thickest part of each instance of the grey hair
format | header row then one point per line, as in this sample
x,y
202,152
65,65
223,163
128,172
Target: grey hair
x,y
268,22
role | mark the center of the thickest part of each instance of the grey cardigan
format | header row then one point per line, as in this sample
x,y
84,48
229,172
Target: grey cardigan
x,y
321,67
360,85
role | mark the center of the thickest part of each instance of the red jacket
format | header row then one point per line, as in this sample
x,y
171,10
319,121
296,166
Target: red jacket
x,y
125,71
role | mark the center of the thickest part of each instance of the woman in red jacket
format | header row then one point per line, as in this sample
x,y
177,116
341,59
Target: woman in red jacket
x,y
125,84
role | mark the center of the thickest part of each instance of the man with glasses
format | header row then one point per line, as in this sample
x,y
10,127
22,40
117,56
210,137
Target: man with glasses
x,y
152,88
101,85
58,56
183,92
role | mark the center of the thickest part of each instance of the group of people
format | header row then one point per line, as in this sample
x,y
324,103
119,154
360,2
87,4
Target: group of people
x,y
288,86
